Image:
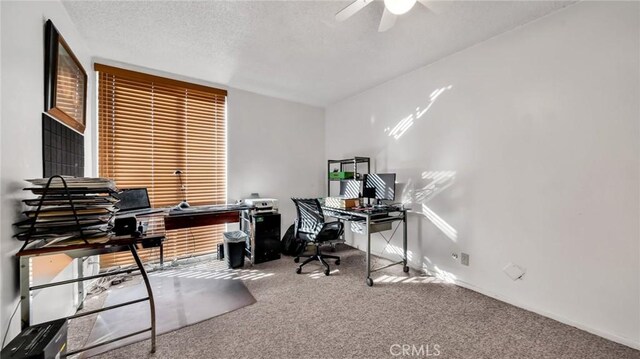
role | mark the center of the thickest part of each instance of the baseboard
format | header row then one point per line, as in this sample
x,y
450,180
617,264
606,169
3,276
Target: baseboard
x,y
614,338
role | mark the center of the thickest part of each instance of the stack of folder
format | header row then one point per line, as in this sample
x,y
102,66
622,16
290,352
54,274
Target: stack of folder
x,y
81,212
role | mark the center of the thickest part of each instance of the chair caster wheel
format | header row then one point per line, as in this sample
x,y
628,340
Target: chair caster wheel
x,y
337,262
326,271
296,260
405,269
370,282
298,270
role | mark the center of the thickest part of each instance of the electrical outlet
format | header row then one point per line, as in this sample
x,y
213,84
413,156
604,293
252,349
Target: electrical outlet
x,y
464,259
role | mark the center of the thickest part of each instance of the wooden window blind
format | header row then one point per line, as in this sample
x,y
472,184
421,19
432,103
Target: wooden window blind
x,y
149,127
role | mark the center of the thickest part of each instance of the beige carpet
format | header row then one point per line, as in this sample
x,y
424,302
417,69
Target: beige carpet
x,y
314,316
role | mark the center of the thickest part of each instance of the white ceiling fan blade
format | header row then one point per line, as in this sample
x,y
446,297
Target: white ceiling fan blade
x,y
351,9
387,21
429,5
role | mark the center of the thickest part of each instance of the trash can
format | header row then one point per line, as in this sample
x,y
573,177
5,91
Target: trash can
x,y
234,243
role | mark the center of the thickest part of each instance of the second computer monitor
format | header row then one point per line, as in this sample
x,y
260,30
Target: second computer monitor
x,y
381,186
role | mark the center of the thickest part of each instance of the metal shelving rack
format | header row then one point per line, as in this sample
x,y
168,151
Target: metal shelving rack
x,y
347,164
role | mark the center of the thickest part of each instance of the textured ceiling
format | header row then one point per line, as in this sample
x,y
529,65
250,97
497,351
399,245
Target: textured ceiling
x,y
290,49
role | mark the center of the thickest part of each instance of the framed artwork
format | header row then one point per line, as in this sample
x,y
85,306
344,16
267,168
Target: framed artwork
x,y
65,81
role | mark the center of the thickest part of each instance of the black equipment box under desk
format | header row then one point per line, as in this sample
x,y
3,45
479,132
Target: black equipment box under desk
x,y
263,244
46,340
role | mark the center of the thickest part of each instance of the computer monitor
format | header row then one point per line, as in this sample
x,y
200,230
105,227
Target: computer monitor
x,y
381,186
350,189
133,198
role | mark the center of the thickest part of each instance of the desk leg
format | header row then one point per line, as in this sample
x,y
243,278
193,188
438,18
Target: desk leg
x,y
369,280
405,268
80,283
161,255
152,304
25,292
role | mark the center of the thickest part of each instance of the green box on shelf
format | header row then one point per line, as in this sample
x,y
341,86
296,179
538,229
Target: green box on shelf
x,y
340,175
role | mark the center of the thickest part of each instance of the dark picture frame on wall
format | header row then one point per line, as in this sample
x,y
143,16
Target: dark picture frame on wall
x,y
65,81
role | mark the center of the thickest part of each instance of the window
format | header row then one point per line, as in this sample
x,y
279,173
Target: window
x,y
148,128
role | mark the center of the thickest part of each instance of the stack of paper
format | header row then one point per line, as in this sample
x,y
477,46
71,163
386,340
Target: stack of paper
x,y
83,210
75,182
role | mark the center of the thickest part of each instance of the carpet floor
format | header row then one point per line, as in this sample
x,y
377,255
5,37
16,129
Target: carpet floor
x,y
311,315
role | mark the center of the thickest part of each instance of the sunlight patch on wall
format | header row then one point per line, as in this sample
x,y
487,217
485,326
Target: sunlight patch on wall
x,y
444,275
391,249
442,225
404,124
401,127
438,182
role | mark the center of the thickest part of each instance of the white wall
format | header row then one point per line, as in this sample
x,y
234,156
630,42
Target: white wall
x,y
275,148
22,71
529,155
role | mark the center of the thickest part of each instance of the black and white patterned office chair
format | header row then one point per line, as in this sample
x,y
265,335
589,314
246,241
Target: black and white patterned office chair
x,y
311,227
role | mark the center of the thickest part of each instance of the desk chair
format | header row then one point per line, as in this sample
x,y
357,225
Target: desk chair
x,y
311,227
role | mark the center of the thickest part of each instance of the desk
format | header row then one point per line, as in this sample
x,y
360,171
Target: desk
x,y
156,224
82,250
371,220
196,216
